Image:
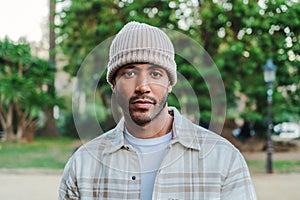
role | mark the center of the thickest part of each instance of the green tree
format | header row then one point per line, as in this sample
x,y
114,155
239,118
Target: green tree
x,y
283,46
23,90
239,35
50,128
84,25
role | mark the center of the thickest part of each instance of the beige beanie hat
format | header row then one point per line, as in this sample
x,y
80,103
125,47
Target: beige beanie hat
x,y
141,43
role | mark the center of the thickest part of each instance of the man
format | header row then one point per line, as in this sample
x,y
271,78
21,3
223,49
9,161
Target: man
x,y
154,152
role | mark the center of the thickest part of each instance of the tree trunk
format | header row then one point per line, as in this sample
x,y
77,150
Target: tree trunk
x,y
29,131
20,121
9,134
50,128
20,131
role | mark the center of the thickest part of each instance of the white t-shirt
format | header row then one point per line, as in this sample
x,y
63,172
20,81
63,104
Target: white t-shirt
x,y
151,153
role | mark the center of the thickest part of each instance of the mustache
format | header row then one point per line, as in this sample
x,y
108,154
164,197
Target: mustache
x,y
143,97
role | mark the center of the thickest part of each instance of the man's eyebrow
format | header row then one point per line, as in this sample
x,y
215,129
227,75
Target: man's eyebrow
x,y
151,67
130,66
155,67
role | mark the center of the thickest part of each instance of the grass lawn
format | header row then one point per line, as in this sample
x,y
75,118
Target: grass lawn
x,y
53,153
279,166
46,153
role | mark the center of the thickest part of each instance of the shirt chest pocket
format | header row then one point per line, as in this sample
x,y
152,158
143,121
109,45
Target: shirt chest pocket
x,y
119,178
111,184
188,186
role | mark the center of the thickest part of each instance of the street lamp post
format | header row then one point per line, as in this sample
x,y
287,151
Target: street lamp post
x,y
269,77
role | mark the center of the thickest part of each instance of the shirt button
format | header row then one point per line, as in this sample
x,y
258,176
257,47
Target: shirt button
x,y
133,177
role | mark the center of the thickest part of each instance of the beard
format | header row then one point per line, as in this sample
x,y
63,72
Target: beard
x,y
141,116
144,116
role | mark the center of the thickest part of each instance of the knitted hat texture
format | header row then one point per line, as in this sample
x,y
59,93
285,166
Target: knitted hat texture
x,y
141,43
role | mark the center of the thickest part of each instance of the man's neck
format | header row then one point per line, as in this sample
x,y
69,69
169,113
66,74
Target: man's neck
x,y
159,126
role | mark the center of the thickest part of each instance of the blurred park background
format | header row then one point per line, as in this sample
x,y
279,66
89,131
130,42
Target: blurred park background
x,y
38,69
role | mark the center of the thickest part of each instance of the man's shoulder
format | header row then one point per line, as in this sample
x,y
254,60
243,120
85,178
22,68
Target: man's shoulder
x,y
216,138
103,142
106,138
193,134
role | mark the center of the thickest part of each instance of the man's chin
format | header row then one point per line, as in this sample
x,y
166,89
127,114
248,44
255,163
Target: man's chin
x,y
140,119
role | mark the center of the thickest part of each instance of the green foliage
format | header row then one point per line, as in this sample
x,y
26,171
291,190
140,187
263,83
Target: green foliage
x,y
238,35
23,88
84,25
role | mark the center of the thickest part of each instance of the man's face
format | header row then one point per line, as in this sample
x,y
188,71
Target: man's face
x,y
142,91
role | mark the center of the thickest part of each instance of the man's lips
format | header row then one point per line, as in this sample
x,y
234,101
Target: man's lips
x,y
142,103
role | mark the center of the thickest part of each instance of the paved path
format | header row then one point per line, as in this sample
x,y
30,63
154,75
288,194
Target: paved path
x,y
43,185
277,186
29,185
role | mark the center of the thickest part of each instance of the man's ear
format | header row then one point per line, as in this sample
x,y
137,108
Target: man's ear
x,y
112,87
170,88
113,84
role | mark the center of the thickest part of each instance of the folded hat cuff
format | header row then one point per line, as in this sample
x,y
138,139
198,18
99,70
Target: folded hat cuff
x,y
145,55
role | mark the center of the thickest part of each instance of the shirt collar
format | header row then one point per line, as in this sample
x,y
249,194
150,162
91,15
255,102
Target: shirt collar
x,y
184,132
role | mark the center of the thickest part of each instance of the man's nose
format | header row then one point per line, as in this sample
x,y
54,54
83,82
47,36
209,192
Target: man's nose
x,y
142,84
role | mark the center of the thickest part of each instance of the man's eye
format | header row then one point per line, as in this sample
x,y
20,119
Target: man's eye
x,y
156,74
128,74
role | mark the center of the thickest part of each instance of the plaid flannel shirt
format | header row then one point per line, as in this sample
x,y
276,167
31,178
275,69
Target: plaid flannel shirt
x,y
199,164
